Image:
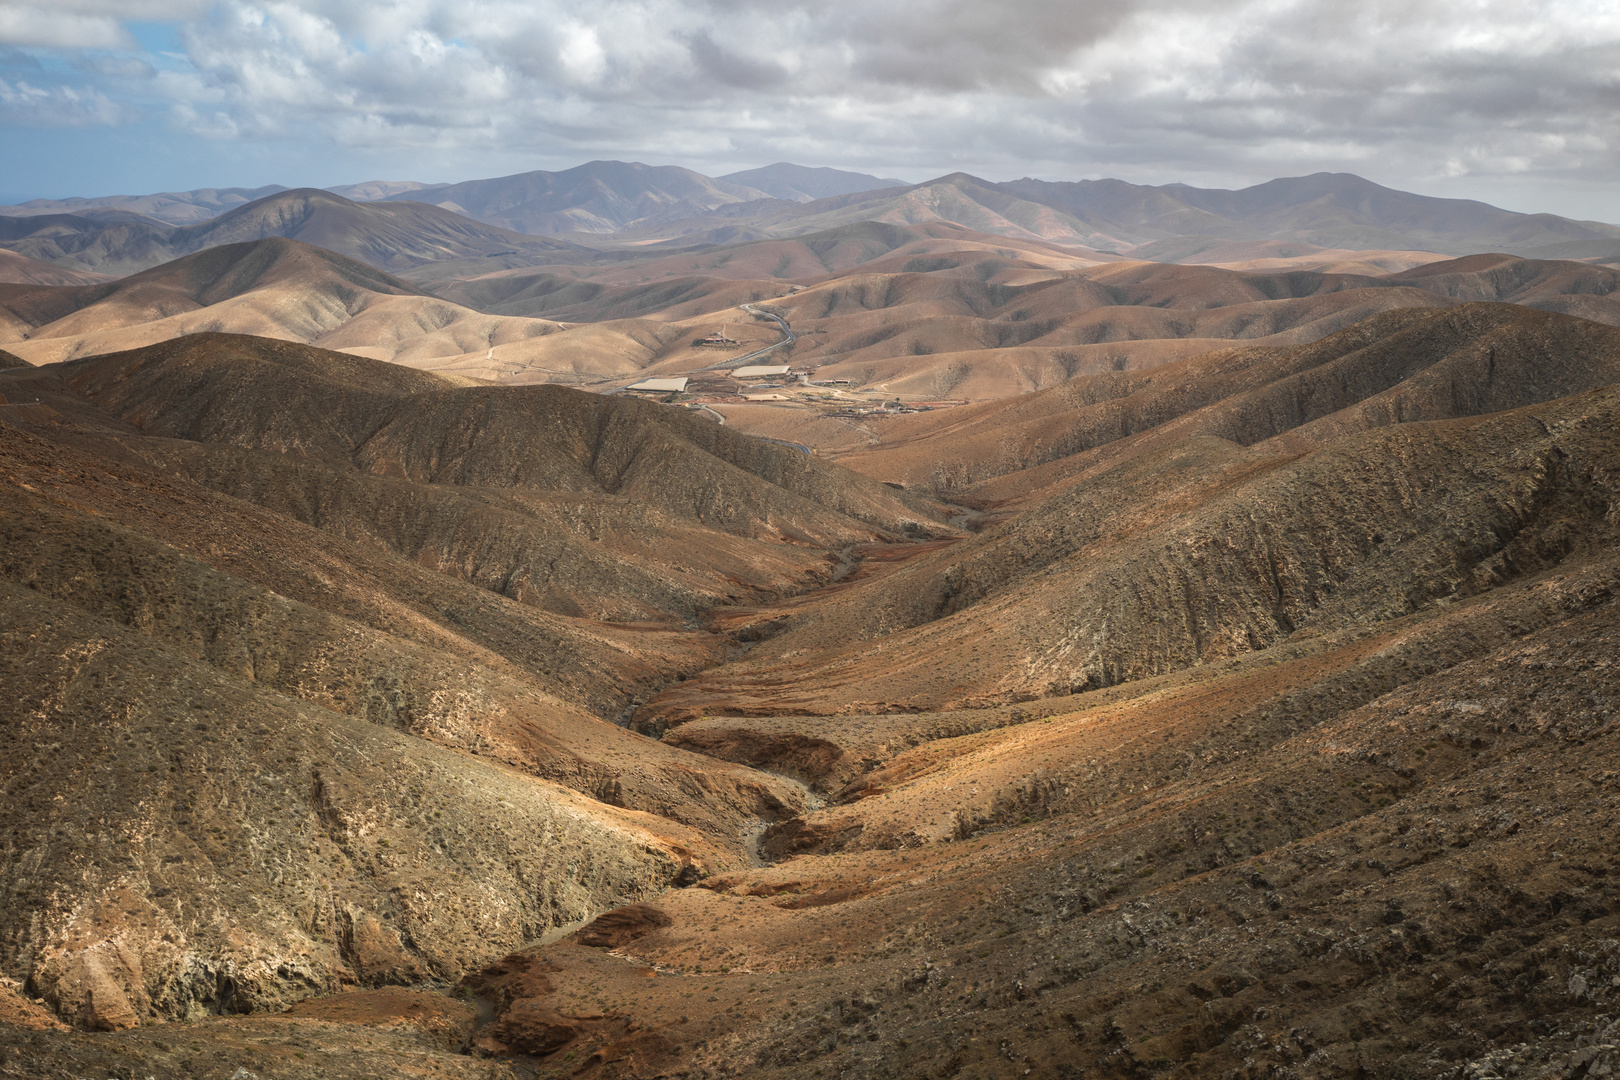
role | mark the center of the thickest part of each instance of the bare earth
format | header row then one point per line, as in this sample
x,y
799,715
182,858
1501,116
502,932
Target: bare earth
x,y
1194,658
1261,718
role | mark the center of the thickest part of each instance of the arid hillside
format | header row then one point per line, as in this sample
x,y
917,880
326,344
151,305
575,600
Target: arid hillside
x,y
1251,393
928,313
271,288
392,236
1263,722
975,325
1270,471
937,312
597,197
1325,210
20,270
173,207
300,606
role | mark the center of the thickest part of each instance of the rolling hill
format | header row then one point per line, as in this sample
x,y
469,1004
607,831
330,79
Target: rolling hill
x,y
20,270
597,197
1100,578
1326,210
275,288
1263,722
171,207
1331,209
785,180
391,236
286,538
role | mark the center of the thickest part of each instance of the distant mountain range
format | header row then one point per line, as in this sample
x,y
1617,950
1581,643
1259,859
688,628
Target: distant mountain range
x,y
800,184
173,207
1330,210
536,218
601,196
391,236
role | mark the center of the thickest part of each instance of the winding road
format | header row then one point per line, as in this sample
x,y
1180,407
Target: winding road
x,y
788,338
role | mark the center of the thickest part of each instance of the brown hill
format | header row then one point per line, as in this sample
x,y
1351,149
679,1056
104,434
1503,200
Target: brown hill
x,y
976,325
710,279
393,236
1327,210
114,244
173,207
597,197
1283,736
274,288
960,448
920,312
18,269
1155,484
351,575
938,312
390,235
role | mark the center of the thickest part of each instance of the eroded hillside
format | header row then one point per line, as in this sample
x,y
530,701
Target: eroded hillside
x,y
1262,723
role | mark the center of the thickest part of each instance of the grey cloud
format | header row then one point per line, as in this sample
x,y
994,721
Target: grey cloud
x,y
732,68
1158,89
963,44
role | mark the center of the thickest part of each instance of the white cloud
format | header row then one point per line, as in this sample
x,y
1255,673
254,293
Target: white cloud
x,y
86,24
26,105
39,25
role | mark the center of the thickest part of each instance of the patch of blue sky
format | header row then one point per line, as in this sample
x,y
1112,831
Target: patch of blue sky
x,y
160,44
155,37
18,59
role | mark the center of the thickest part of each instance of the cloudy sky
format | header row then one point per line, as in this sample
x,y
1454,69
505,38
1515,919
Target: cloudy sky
x,y
1516,102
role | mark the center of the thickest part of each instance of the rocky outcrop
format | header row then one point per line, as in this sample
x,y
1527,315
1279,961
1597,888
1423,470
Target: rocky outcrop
x,y
622,926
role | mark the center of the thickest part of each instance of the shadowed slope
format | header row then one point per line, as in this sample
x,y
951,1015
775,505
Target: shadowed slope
x,y
1272,485
1291,757
1369,363
1331,210
294,600
18,269
597,197
274,287
395,236
391,235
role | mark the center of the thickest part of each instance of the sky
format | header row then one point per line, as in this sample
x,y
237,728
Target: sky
x,y
1514,102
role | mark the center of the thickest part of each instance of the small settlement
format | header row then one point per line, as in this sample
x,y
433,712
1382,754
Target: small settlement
x,y
715,384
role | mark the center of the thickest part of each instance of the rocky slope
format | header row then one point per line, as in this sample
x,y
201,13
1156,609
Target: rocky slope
x,y
1208,517
279,622
1407,364
1268,729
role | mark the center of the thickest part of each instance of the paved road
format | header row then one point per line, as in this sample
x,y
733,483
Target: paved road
x,y
788,338
719,417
